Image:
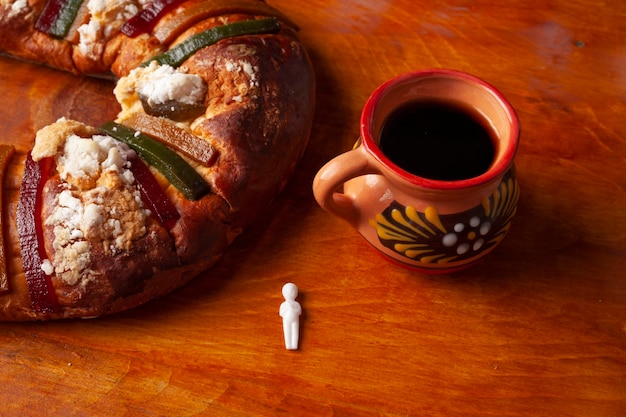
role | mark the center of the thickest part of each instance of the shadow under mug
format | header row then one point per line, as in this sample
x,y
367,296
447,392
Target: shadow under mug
x,y
434,226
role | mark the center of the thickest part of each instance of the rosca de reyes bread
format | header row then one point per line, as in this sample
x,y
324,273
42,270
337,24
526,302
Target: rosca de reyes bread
x,y
216,101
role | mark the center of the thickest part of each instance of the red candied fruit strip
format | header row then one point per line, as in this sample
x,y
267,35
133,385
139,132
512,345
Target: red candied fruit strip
x,y
145,20
57,17
30,231
49,15
152,194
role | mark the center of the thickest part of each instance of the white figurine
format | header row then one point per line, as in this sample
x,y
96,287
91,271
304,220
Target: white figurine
x,y
290,311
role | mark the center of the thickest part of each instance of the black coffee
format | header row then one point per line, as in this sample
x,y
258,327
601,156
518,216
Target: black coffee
x,y
437,140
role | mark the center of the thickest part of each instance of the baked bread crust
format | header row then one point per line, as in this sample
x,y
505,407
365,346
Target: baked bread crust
x,y
259,106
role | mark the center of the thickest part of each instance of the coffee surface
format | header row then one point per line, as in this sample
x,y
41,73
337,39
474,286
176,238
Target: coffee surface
x,y
437,140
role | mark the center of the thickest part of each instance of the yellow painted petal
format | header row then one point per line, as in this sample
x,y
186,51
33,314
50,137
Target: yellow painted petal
x,y
429,259
412,214
416,253
433,217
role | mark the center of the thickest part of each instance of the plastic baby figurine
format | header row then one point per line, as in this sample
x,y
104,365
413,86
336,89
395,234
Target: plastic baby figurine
x,y
290,311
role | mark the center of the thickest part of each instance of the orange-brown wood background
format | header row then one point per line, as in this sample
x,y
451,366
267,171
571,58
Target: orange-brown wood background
x,y
536,329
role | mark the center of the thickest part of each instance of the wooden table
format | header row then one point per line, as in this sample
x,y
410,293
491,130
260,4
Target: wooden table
x,y
537,329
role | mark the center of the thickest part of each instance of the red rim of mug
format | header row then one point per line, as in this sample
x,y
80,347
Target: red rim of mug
x,y
501,165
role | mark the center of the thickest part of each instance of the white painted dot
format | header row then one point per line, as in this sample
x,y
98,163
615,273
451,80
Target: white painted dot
x,y
478,244
464,247
474,221
450,239
484,228
459,227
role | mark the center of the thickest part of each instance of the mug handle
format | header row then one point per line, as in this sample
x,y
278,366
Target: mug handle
x,y
330,178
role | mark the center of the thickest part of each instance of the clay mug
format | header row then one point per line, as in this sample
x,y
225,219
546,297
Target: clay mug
x,y
427,223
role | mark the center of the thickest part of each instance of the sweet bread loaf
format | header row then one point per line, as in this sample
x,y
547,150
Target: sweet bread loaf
x,y
216,100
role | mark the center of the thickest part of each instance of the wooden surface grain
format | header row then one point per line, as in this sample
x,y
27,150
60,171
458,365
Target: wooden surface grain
x,y
537,329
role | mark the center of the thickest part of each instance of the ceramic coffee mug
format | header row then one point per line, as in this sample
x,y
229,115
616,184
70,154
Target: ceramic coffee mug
x,y
432,200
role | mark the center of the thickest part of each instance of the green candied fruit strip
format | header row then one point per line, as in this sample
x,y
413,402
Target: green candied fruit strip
x,y
178,54
177,171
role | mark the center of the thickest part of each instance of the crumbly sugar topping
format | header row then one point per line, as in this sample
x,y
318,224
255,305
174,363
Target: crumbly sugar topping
x,y
96,204
16,7
107,16
243,79
83,160
160,84
247,68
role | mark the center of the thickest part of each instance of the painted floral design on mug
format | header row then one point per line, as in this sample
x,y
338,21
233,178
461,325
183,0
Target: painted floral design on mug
x,y
443,240
431,220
